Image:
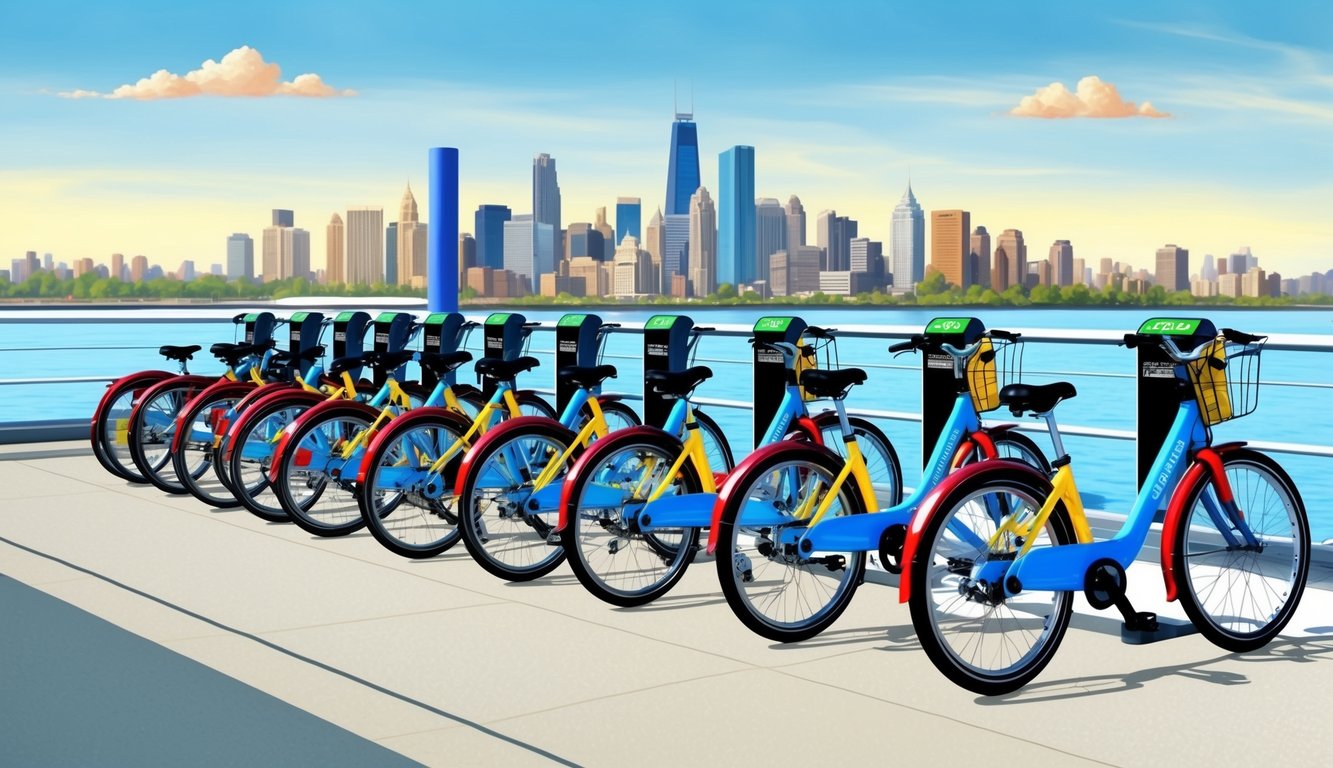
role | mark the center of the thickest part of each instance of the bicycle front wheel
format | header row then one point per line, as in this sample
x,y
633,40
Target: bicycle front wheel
x,y
316,484
981,639
197,463
610,557
773,588
508,523
256,436
409,509
1239,593
151,430
886,474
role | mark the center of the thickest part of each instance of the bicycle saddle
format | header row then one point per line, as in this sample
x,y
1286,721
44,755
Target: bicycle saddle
x,y
822,382
441,363
678,383
179,353
505,369
587,376
1038,399
346,364
231,354
286,356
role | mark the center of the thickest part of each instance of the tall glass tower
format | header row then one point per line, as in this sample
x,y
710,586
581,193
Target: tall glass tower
x,y
628,218
907,244
489,228
735,225
683,167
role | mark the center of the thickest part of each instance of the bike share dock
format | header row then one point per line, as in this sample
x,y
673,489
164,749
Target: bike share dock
x,y
139,628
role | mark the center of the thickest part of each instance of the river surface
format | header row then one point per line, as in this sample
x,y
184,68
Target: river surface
x,y
109,346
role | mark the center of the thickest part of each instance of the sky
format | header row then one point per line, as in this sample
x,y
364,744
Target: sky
x,y
842,101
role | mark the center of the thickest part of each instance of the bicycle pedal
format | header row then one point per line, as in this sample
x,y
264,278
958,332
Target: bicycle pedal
x,y
554,540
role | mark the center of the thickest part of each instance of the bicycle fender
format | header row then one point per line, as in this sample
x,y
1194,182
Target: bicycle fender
x,y
140,380
589,458
729,487
280,450
406,421
930,508
1206,460
494,434
294,394
223,388
810,428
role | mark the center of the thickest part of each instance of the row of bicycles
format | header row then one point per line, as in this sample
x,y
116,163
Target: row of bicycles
x,y
990,546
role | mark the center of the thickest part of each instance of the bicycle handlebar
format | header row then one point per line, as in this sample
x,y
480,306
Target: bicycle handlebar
x,y
1173,351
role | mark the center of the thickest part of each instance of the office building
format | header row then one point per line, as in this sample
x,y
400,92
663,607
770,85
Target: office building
x,y
1173,268
736,217
412,245
365,245
703,244
950,238
834,234
546,197
283,218
1010,261
467,253
629,211
866,261
770,233
907,243
391,254
1061,257
795,222
583,239
240,257
682,166
489,230
654,242
139,269
295,252
117,271
608,234
335,251
529,249
979,257
676,253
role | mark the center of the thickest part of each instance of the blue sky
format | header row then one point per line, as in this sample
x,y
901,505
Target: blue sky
x,y
839,99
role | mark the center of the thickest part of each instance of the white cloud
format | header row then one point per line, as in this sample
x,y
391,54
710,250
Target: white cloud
x,y
242,72
1092,98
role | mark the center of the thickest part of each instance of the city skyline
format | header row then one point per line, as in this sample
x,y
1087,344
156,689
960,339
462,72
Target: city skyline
x,y
1241,159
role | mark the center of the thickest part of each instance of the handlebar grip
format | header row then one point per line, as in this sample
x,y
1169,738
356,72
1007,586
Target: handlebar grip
x,y
1007,335
703,329
531,324
1237,337
469,325
1131,340
238,318
605,326
903,346
820,333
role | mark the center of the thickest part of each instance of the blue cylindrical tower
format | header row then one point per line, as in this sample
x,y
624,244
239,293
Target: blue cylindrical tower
x,y
442,252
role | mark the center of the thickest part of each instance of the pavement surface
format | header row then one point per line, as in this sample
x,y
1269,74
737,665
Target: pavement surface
x,y
138,628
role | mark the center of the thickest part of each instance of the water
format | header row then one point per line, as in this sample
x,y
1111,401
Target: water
x,y
1105,467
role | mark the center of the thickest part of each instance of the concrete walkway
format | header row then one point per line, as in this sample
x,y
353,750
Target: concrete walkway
x,y
443,664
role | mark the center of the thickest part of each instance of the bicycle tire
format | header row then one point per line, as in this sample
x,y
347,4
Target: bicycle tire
x,y
153,423
527,534
591,531
736,566
114,408
344,421
267,419
1035,619
1287,535
192,466
400,533
720,456
874,444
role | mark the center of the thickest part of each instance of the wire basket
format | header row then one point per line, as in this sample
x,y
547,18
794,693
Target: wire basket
x,y
1226,384
996,364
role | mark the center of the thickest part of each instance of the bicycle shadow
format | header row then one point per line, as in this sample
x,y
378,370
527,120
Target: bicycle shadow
x,y
901,638
676,603
1301,650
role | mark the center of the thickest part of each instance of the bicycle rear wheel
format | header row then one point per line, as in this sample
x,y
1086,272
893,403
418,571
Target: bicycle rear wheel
x,y
611,559
776,591
503,532
1241,595
196,463
720,457
886,474
252,455
409,510
316,485
110,434
979,638
151,430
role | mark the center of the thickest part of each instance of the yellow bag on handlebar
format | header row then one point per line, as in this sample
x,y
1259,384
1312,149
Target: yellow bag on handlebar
x,y
983,379
1210,383
804,362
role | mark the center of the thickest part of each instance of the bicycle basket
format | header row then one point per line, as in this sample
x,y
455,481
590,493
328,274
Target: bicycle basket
x,y
1226,386
996,364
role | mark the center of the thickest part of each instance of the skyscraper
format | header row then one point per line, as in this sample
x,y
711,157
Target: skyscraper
x,y
335,251
703,243
490,233
545,193
391,253
979,256
866,262
117,271
628,216
608,234
654,242
1062,264
365,245
676,253
834,234
411,264
1011,257
240,257
736,217
1208,271
907,243
683,165
273,243
795,222
582,239
949,241
1173,268
770,233
138,269
283,218
295,252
